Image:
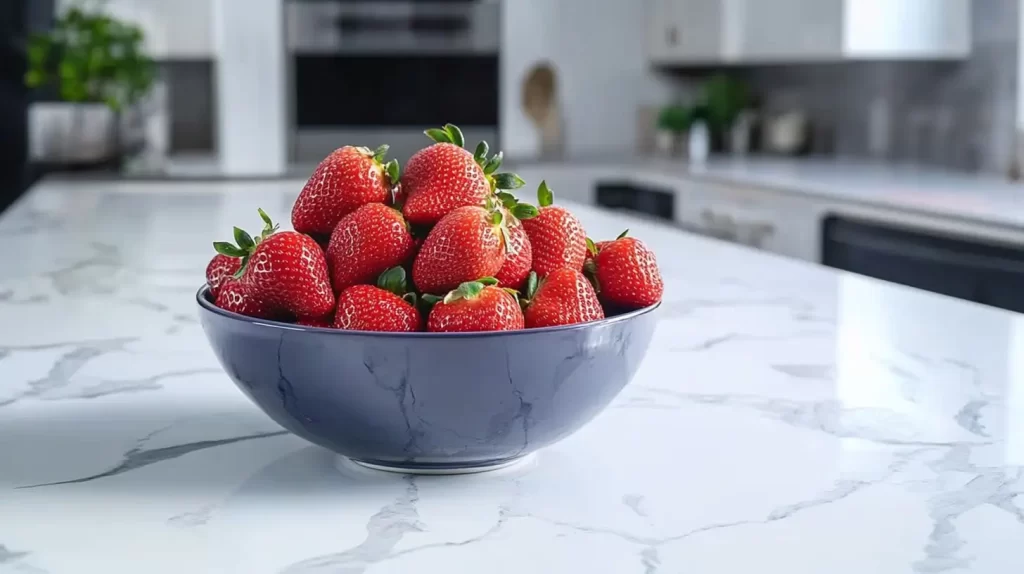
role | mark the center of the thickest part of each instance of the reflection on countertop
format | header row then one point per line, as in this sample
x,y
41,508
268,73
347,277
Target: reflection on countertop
x,y
788,418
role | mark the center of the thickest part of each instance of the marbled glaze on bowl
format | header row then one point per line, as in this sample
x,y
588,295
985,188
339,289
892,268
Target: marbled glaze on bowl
x,y
429,402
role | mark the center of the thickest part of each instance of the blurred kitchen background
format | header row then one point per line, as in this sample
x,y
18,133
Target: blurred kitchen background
x,y
791,126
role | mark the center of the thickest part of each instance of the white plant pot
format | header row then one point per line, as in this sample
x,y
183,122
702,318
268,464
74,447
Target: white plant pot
x,y
72,133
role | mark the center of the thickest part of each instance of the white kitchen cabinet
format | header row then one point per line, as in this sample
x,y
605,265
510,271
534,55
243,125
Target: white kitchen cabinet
x,y
174,29
697,32
757,218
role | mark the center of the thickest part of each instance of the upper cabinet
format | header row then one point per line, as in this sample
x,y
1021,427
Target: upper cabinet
x,y
174,29
698,32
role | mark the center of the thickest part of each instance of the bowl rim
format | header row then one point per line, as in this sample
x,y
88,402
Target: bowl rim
x,y
206,305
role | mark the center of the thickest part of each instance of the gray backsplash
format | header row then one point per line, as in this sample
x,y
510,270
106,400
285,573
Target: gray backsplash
x,y
959,115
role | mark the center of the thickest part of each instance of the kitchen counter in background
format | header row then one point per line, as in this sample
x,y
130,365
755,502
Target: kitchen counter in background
x,y
960,197
788,418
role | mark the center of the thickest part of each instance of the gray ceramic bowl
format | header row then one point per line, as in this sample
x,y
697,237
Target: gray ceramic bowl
x,y
429,402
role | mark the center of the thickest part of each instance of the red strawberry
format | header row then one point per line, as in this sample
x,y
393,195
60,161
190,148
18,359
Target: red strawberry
x,y
476,306
370,308
465,245
220,268
444,177
590,263
344,180
286,272
322,322
367,242
564,297
627,274
518,257
557,237
239,297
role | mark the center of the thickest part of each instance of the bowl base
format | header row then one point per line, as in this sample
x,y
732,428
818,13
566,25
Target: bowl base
x,y
441,469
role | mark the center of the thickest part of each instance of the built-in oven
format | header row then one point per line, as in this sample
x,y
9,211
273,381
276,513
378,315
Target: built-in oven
x,y
381,71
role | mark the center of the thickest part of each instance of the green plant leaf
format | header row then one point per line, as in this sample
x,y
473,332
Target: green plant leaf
x,y
243,239
623,234
524,211
393,170
410,298
229,249
430,299
591,247
455,134
487,280
393,280
480,155
496,218
544,195
380,153
508,181
439,136
494,163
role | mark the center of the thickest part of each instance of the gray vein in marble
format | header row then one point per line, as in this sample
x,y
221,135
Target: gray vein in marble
x,y
65,367
140,457
718,340
688,307
193,518
969,417
7,556
113,387
813,372
30,221
66,281
990,485
650,560
841,490
635,503
830,417
384,531
7,298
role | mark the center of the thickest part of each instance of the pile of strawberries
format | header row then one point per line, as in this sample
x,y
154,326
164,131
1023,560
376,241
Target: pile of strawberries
x,y
444,246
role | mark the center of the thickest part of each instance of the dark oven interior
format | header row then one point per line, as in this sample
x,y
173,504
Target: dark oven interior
x,y
358,90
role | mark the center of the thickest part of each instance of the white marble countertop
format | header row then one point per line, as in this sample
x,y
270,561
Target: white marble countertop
x,y
976,198
788,418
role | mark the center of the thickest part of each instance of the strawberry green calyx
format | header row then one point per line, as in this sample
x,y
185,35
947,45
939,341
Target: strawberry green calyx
x,y
532,283
395,280
518,210
391,169
592,247
623,234
469,289
450,133
480,155
245,244
544,195
491,165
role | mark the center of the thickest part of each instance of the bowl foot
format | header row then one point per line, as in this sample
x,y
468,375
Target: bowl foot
x,y
442,469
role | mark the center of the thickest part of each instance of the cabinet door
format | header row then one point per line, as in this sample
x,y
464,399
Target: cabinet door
x,y
757,218
681,31
791,30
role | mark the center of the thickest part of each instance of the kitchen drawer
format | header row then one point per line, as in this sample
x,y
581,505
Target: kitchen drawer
x,y
756,218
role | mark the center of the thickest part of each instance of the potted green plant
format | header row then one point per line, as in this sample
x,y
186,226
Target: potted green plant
x,y
98,69
673,123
